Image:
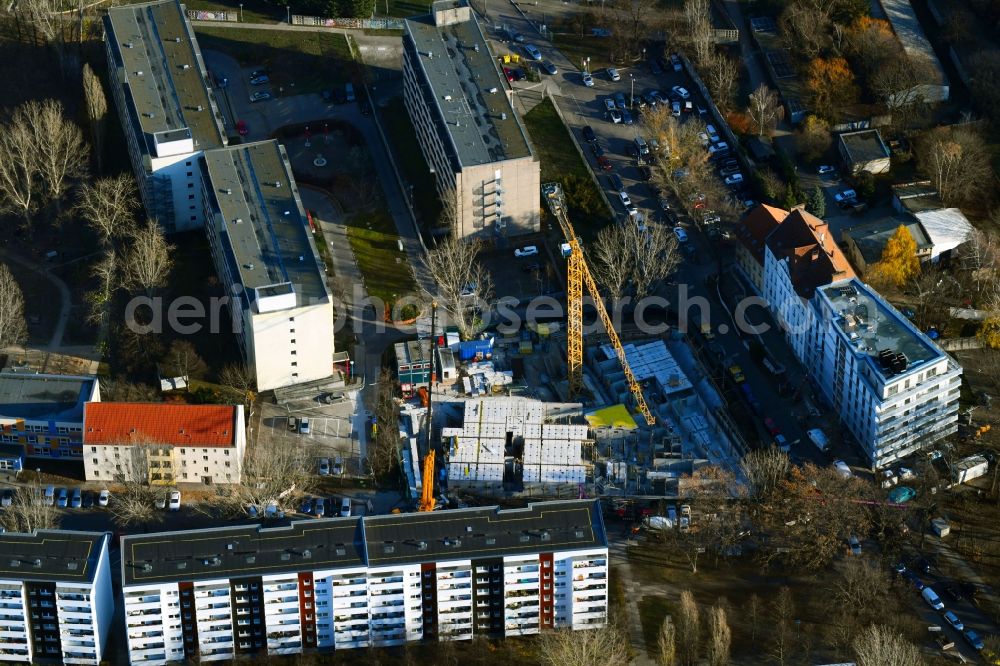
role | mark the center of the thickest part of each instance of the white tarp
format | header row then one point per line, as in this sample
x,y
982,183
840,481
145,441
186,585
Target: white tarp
x,y
946,228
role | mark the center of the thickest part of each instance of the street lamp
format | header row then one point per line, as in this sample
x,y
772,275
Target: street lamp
x,y
631,95
288,11
241,12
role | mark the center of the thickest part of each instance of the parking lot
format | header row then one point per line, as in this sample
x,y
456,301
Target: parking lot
x,y
338,429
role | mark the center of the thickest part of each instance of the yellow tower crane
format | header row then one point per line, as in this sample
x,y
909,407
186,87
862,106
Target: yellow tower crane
x,y
579,274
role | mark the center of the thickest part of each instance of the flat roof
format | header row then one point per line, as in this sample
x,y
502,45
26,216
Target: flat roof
x,y
51,555
338,543
483,532
245,550
864,145
870,325
466,86
265,226
910,35
36,397
652,360
164,75
871,238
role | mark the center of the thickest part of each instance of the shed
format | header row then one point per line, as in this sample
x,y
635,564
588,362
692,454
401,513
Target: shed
x,y
969,468
864,150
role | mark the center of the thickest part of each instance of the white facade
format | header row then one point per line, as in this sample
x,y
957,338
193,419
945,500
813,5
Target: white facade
x,y
68,621
792,312
892,413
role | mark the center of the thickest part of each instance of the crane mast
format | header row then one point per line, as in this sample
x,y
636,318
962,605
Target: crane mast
x,y
578,274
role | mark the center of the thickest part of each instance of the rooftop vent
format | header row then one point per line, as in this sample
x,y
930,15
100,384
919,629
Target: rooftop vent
x,y
493,91
15,563
251,559
182,565
238,220
138,72
340,550
524,538
185,66
250,266
447,98
421,545
468,528
147,567
285,556
578,534
72,566
475,47
503,116
388,548
129,45
227,190
546,536
490,541
307,554
177,40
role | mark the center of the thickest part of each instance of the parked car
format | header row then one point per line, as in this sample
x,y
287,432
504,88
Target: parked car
x,y
846,195
676,62
682,236
825,169
259,80
952,592
734,179
843,469
914,579
675,109
615,115
241,127
532,52
771,426
613,74
588,134
932,599
645,173
588,79
63,498
517,37
307,506
902,494
973,639
304,428
953,620
605,164
717,148
76,499
103,498
160,502
681,91
175,500
713,135
854,545
345,507
319,510
252,511
324,467
736,372
88,500
338,466
260,96
627,117
8,497
551,69
526,251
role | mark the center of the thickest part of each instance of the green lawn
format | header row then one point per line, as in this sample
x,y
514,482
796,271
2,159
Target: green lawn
x,y
561,162
298,62
409,158
374,243
401,8
577,48
652,610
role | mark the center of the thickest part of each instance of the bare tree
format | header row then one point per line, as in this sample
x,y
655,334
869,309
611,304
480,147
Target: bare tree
x,y
861,585
666,643
980,259
604,256
109,205
655,255
764,109
463,285
148,261
752,612
805,28
241,380
764,470
135,501
19,167
720,637
782,614
29,511
880,646
119,389
48,24
13,328
723,75
956,161
97,108
688,629
269,474
697,15
897,82
62,151
183,361
383,448
594,647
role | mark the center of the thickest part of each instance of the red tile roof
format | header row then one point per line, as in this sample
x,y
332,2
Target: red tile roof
x,y
757,225
118,423
813,257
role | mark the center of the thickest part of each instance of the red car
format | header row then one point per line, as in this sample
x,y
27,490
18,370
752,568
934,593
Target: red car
x,y
508,74
241,127
771,426
604,163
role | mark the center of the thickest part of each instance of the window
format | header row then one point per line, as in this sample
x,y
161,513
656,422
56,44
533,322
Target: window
x,y
295,363
293,341
204,457
95,461
182,451
294,352
291,330
190,185
187,164
93,449
190,173
227,463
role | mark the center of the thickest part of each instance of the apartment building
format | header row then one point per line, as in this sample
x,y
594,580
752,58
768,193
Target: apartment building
x,y
163,443
751,234
470,135
345,583
894,389
43,414
168,112
262,246
800,256
56,601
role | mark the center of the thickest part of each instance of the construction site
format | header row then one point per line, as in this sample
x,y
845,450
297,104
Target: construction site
x,y
542,413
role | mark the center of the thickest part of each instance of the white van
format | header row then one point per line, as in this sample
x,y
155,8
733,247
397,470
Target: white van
x,y
932,599
818,437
